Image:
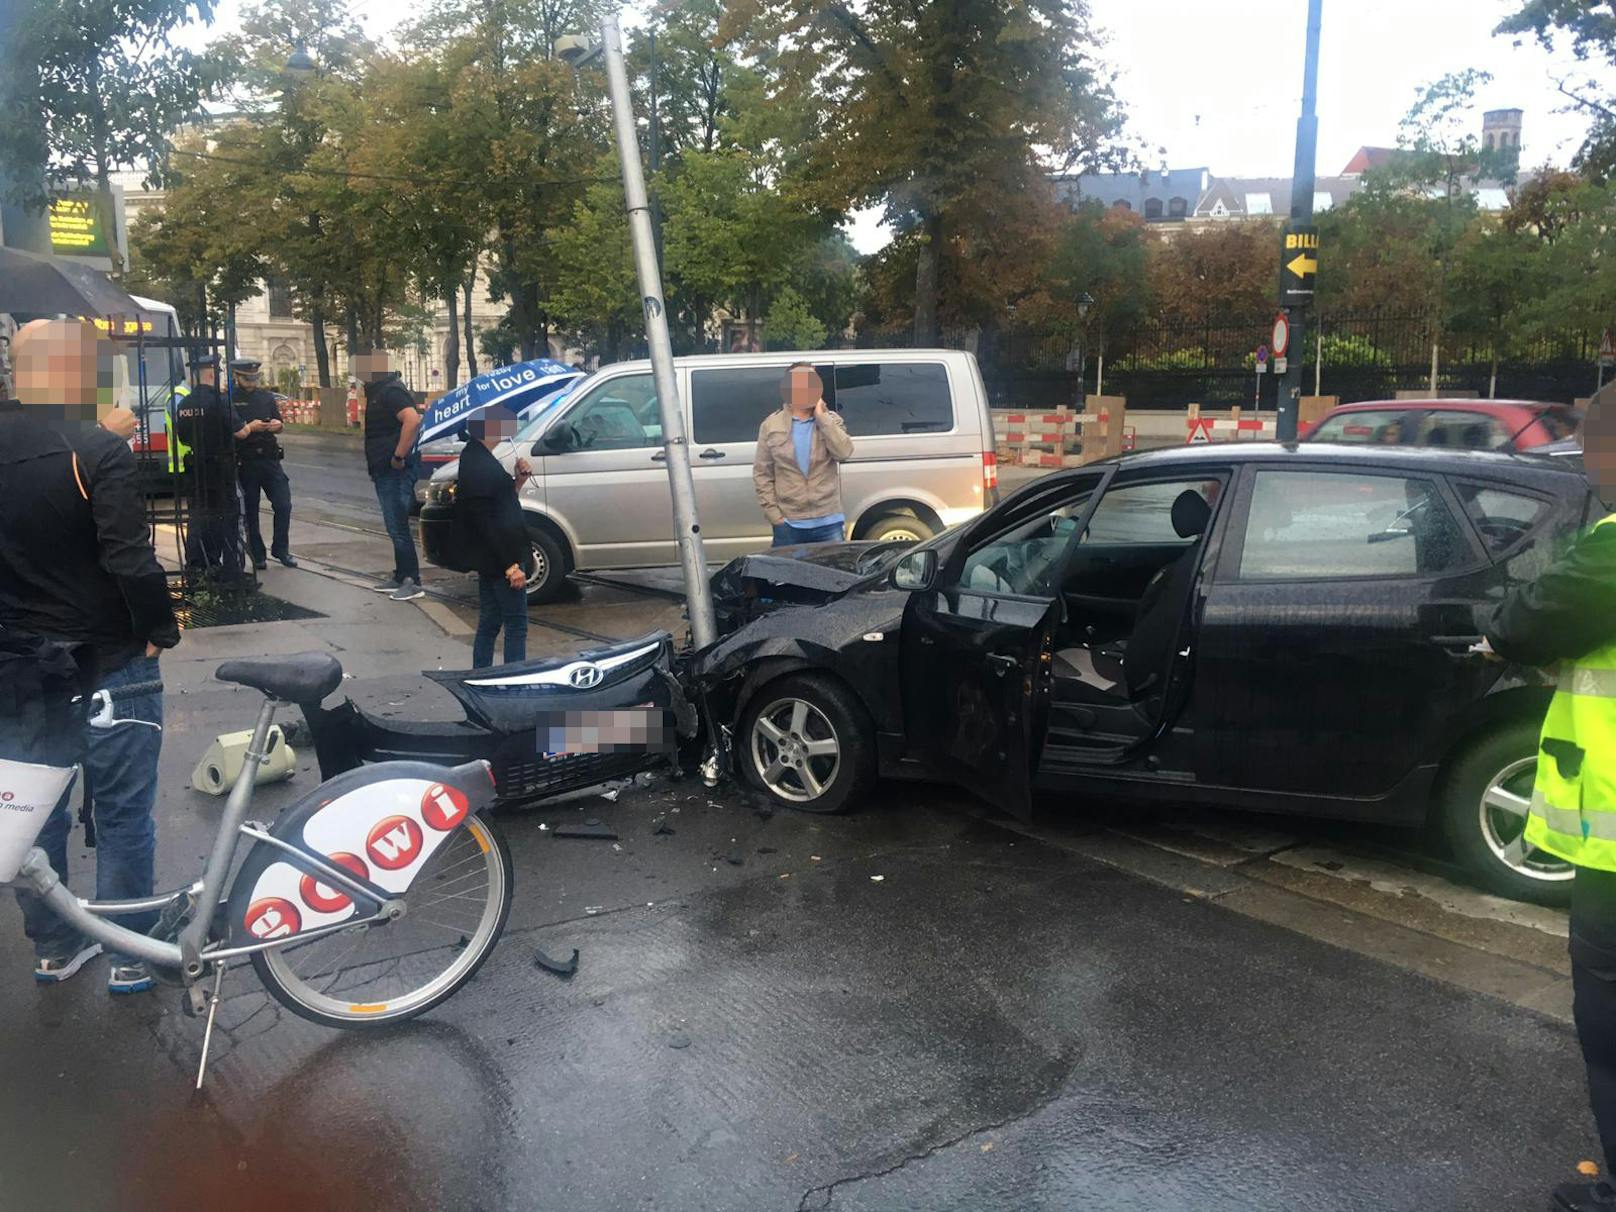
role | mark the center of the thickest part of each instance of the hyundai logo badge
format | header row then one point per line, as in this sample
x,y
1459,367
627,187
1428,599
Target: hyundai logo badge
x,y
584,676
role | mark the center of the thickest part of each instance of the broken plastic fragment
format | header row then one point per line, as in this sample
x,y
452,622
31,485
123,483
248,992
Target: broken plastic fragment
x,y
562,968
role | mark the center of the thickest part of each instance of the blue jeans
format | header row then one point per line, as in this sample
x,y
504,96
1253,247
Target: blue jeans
x,y
787,535
499,606
121,767
395,493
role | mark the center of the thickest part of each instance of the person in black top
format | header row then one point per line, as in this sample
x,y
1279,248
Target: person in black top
x,y
259,456
489,520
77,568
205,423
391,422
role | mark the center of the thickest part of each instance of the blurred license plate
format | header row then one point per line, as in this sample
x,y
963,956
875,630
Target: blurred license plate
x,y
625,730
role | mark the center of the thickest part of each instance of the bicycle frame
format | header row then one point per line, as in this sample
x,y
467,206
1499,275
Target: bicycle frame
x,y
190,953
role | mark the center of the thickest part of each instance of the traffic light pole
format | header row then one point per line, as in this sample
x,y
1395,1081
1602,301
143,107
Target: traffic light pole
x,y
687,529
1299,310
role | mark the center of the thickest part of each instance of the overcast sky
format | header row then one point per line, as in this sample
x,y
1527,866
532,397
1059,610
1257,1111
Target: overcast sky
x,y
1217,83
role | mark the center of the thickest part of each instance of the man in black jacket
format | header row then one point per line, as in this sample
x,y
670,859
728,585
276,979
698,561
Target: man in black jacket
x,y
391,422
490,524
77,566
259,456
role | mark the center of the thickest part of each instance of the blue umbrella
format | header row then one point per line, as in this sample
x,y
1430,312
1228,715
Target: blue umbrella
x,y
525,389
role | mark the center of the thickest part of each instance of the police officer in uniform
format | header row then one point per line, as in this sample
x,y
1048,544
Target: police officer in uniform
x,y
204,422
1567,619
260,454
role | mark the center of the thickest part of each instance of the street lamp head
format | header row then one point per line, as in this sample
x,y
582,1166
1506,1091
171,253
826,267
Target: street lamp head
x,y
299,64
1084,302
577,50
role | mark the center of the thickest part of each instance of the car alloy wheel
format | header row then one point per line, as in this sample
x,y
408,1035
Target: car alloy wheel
x,y
794,750
1502,812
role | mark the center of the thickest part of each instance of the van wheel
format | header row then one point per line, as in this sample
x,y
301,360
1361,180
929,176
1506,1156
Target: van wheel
x,y
1483,802
807,743
899,527
549,569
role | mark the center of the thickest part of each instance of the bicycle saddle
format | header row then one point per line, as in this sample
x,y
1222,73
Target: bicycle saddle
x,y
305,677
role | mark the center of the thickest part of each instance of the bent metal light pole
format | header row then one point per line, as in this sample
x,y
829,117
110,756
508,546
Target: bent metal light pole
x,y
578,51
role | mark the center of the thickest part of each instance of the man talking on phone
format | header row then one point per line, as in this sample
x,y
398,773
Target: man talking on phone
x,y
797,469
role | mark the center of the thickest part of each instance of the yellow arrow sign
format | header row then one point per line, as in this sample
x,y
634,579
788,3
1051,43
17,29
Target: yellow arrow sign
x,y
1303,266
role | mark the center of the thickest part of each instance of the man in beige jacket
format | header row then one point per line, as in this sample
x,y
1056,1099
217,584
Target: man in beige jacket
x,y
797,470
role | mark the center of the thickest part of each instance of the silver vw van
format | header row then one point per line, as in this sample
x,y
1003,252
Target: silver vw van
x,y
924,457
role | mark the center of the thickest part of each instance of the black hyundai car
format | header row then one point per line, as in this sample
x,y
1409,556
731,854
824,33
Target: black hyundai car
x,y
1269,627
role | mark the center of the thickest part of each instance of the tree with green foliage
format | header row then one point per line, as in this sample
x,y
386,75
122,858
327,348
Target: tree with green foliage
x,y
93,86
1590,30
791,324
735,234
594,290
532,126
945,113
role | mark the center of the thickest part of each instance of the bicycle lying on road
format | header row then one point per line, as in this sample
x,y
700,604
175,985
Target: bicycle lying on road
x,y
369,901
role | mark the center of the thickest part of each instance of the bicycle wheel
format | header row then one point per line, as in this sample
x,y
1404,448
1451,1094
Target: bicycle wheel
x,y
384,972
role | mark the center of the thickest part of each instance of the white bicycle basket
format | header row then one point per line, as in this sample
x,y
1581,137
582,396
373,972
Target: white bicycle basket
x,y
27,795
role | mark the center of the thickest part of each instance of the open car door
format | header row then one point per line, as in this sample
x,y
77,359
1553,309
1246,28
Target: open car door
x,y
978,645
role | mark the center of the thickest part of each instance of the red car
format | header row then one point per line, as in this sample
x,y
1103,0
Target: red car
x,y
1506,425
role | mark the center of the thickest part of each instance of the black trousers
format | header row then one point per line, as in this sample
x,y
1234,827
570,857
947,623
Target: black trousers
x,y
213,528
266,476
1593,987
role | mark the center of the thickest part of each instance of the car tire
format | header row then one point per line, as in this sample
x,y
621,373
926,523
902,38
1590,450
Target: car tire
x,y
899,526
1499,764
782,723
549,568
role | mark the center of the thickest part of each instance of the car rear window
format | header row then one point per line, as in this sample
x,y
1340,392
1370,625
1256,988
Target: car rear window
x,y
1561,423
1362,428
1456,430
1305,525
875,398
1502,517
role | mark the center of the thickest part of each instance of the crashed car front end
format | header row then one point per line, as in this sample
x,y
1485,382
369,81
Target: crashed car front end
x,y
827,608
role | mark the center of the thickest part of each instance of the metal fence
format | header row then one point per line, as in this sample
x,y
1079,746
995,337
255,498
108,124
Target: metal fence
x,y
1356,356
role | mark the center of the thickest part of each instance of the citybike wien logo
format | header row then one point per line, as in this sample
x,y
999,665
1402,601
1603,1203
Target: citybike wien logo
x,y
273,918
382,834
394,843
323,898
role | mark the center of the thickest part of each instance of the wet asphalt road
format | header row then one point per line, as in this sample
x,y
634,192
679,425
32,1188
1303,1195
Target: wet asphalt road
x,y
994,1023
759,1022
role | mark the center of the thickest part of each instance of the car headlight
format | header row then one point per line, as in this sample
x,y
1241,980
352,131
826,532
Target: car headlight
x,y
441,493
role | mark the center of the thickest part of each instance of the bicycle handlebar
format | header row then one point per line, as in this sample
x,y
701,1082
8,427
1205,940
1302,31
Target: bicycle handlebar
x,y
135,690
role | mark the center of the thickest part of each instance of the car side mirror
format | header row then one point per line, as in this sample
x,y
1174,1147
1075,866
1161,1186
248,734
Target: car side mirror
x,y
916,571
560,439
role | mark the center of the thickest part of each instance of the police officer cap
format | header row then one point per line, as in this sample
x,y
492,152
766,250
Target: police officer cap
x,y
198,361
246,366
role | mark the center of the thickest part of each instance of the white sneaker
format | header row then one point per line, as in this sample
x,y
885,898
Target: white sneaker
x,y
408,591
51,971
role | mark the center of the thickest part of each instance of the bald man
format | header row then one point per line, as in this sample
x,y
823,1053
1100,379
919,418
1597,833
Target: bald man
x,y
77,567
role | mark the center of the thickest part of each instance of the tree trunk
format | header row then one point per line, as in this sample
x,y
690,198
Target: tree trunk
x,y
471,343
926,281
322,353
353,333
451,347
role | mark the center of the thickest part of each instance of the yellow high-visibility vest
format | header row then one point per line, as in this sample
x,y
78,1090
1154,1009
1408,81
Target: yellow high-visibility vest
x,y
1573,810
